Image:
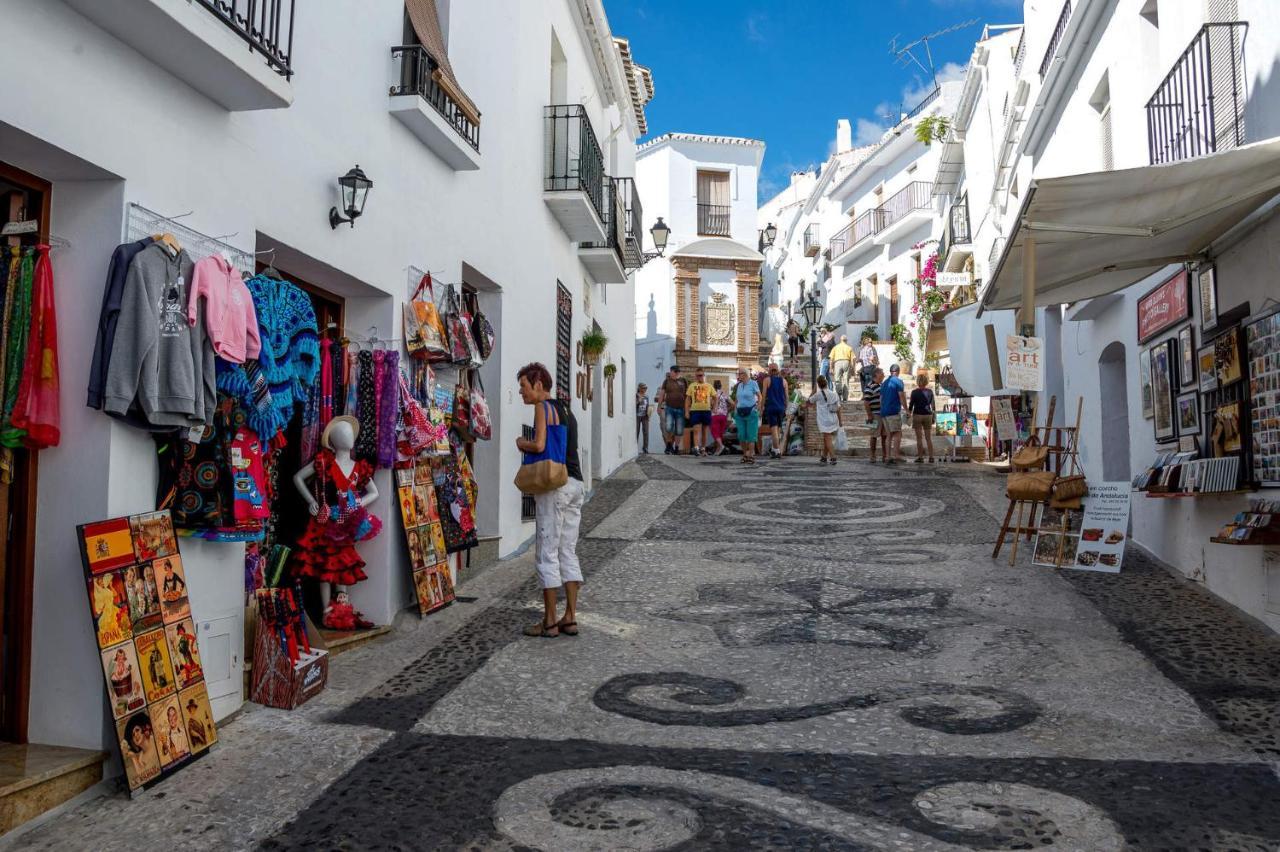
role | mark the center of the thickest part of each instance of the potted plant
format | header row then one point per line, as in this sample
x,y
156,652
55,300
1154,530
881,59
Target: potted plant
x,y
593,344
902,346
610,370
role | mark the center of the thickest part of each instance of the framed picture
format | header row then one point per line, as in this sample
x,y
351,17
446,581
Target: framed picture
x,y
1226,429
1165,306
1187,375
1163,363
1226,355
1205,365
1144,380
1189,414
1207,284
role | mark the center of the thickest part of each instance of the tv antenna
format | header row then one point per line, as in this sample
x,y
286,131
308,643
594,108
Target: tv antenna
x,y
905,54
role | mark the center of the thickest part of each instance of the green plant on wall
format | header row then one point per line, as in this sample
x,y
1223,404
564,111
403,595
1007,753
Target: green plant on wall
x,y
593,343
932,128
610,370
901,342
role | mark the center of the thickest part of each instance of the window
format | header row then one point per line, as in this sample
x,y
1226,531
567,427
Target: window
x,y
893,300
1101,102
713,203
873,293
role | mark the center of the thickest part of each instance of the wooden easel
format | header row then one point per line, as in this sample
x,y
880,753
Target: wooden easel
x,y
1070,452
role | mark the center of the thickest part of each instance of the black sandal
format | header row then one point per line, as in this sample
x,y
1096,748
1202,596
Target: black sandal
x,y
568,628
546,631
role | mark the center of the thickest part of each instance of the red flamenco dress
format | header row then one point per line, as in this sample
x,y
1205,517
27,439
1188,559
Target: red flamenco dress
x,y
326,551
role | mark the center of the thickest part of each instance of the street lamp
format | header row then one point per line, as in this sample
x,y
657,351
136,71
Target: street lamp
x,y
812,310
767,236
660,233
355,187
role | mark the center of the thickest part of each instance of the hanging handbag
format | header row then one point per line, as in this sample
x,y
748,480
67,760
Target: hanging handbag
x,y
416,431
482,331
461,345
1030,485
481,419
457,519
542,472
1031,455
424,332
462,410
1070,487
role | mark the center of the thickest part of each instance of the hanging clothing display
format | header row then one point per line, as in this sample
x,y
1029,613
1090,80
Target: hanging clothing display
x,y
36,411
388,408
112,294
366,409
14,334
290,354
229,317
326,551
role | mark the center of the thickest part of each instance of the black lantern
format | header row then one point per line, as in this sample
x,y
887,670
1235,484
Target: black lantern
x,y
812,309
355,190
660,232
770,233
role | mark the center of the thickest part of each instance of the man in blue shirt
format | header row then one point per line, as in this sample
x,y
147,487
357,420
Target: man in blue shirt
x,y
893,398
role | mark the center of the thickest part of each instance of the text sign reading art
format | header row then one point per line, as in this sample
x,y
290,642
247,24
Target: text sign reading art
x,y
1024,363
1105,528
147,642
1164,307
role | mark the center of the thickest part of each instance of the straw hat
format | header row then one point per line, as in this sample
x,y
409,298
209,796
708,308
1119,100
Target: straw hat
x,y
328,429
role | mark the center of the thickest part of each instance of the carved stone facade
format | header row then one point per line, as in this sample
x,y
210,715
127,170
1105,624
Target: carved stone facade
x,y
719,321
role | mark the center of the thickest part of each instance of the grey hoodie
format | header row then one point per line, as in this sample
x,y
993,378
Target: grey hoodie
x,y
158,358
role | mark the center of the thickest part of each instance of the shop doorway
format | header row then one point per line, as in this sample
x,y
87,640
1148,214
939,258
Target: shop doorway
x,y
27,201
1113,402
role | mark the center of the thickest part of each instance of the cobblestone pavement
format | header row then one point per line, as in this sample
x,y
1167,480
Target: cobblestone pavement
x,y
785,656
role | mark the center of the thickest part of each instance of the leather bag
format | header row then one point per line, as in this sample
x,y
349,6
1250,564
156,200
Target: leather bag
x,y
1030,455
1030,485
546,471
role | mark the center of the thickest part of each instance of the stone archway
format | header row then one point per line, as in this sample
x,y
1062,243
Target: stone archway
x,y
1113,404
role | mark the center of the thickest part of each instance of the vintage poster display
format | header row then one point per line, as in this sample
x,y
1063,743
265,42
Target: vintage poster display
x,y
1163,364
1187,374
1189,414
1206,363
424,536
1104,531
147,640
1262,342
1226,357
1207,281
1023,364
1144,381
1165,306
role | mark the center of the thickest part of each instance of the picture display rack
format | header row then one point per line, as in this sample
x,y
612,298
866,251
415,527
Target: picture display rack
x,y
1237,392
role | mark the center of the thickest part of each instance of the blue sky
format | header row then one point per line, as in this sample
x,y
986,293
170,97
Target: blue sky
x,y
784,71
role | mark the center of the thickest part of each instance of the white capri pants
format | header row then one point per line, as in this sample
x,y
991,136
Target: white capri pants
x,y
559,514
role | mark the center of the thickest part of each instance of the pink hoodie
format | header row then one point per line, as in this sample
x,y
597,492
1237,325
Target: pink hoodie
x,y
229,317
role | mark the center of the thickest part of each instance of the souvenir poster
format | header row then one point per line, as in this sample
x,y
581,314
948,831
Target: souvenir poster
x,y
1226,354
1105,528
1262,342
944,423
1163,363
1165,306
1226,429
1144,381
406,496
1187,373
148,644
1002,408
1023,366
1206,361
1189,413
424,536
174,603
1207,281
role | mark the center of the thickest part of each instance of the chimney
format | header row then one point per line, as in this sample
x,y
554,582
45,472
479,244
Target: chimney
x,y
844,135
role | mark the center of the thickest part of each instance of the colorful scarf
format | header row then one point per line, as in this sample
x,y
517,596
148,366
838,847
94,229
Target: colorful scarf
x,y
366,448
36,410
290,341
388,409
17,330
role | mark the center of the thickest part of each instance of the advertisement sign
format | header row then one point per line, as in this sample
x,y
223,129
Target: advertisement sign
x,y
953,279
1023,363
1164,307
1002,409
1105,528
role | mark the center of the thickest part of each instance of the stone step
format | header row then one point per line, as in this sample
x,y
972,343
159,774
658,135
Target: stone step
x,y
35,779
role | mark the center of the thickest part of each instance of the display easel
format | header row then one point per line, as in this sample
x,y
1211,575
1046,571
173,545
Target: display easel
x,y
1061,453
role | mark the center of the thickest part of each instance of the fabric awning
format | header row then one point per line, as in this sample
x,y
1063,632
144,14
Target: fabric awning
x,y
426,25
1098,233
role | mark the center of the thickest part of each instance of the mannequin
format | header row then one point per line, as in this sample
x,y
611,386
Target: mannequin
x,y
324,555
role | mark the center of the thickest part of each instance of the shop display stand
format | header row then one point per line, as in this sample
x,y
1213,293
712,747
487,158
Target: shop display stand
x,y
1023,505
1258,527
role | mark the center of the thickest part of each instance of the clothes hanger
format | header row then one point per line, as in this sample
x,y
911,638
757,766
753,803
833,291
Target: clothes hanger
x,y
169,241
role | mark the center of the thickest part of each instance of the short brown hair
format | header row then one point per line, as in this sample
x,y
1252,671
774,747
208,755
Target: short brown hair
x,y
536,373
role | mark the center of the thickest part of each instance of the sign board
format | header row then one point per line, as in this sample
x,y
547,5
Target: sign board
x,y
1023,363
1164,307
953,279
1002,408
1105,528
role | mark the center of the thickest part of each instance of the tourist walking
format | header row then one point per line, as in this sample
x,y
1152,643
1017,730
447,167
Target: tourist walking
x,y
893,398
826,342
671,409
793,339
775,407
826,406
921,407
842,366
642,417
746,415
558,513
697,411
719,415
868,360
871,399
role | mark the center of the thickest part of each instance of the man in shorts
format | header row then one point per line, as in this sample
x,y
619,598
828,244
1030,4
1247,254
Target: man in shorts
x,y
671,409
697,410
893,399
871,398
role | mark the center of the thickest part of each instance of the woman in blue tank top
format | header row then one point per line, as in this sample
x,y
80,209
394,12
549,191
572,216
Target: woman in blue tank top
x,y
775,407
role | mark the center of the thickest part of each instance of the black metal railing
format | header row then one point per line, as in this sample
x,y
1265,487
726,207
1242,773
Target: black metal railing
x,y
812,244
1058,31
853,233
713,220
417,76
917,195
1020,55
265,25
958,220
924,102
574,159
622,222
1199,106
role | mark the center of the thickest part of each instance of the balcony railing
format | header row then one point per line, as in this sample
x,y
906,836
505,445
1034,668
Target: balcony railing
x,y
1199,107
574,160
812,245
1058,31
417,76
917,195
955,231
623,222
853,233
713,220
265,25
924,102
1020,55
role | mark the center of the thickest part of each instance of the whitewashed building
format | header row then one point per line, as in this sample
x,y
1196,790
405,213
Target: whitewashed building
x,y
699,304
1163,118
500,139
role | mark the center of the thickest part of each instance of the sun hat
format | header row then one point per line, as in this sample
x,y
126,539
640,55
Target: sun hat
x,y
328,429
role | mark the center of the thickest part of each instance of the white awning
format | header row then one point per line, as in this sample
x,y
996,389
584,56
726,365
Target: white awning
x,y
1098,233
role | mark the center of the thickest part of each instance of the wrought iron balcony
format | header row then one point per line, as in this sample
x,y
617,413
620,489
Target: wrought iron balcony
x,y
1059,31
265,25
624,219
924,102
633,232
418,74
1020,55
574,180
955,231
1199,106
812,245
713,220
853,233
917,195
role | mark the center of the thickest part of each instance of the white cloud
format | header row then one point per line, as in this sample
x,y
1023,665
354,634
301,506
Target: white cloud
x,y
867,132
913,93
